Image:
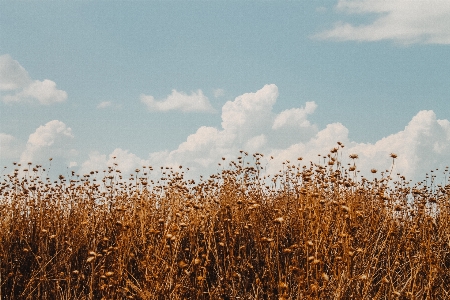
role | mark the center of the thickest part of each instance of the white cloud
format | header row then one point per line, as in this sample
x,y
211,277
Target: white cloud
x,y
404,21
195,102
321,143
43,91
255,143
295,116
248,113
127,162
96,162
104,104
423,145
15,79
12,75
292,126
249,123
246,124
48,141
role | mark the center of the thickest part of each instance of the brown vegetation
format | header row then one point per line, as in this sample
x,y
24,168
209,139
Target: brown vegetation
x,y
310,232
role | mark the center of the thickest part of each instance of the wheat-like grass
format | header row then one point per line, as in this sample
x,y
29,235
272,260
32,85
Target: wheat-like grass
x,y
309,232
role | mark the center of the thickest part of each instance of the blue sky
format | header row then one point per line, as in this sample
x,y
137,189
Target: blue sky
x,y
166,82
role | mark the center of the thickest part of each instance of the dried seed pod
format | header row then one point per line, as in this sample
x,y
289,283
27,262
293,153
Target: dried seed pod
x,y
182,264
279,220
109,274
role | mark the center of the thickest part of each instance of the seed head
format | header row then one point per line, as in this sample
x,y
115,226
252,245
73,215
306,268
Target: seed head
x,y
109,274
182,264
282,286
279,220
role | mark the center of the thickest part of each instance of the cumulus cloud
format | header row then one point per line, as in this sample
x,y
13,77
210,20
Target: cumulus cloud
x,y
48,141
246,124
127,162
404,21
250,124
256,143
12,75
43,91
292,126
422,146
195,102
248,114
321,143
16,80
96,162
295,116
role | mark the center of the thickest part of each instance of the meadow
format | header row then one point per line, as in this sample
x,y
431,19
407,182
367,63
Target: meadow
x,y
311,231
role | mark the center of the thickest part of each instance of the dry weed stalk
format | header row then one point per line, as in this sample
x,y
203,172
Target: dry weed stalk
x,y
309,232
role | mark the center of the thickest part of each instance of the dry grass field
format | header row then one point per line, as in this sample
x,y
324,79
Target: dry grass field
x,y
309,232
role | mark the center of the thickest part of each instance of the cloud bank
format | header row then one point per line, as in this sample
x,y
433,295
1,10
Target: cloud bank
x,y
249,123
195,102
404,21
19,87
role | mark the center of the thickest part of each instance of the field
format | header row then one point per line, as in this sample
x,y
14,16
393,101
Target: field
x,y
309,232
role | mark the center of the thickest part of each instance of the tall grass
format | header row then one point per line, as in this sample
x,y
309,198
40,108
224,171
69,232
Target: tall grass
x,y
309,232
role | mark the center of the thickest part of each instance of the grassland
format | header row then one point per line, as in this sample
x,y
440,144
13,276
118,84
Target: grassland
x,y
309,232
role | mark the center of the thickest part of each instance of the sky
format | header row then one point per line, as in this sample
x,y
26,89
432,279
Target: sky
x,y
168,83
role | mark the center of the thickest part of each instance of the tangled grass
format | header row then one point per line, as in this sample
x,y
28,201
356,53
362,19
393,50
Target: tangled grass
x,y
310,232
